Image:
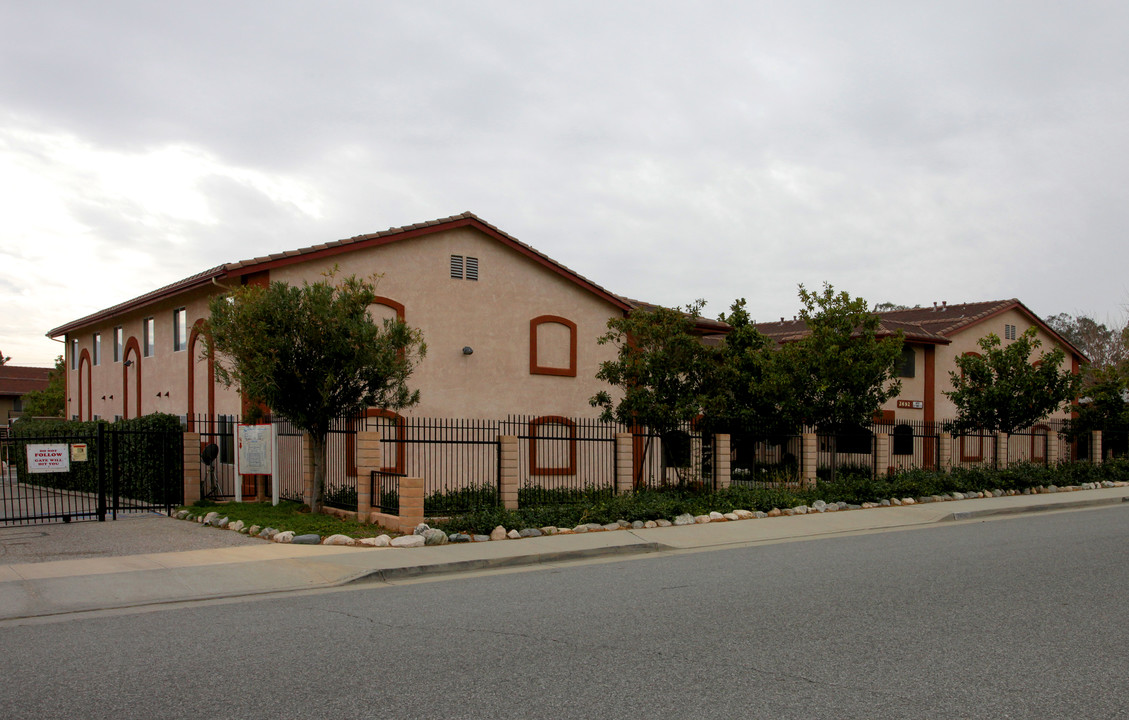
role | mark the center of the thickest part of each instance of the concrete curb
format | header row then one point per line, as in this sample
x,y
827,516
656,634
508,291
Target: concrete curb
x,y
1067,505
461,566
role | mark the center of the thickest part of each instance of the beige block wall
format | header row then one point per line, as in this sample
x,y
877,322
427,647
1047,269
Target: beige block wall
x,y
491,315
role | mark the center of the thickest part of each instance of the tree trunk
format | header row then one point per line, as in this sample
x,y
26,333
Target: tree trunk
x,y
317,449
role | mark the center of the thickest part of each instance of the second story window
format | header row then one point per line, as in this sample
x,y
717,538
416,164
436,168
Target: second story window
x,y
74,354
118,344
97,348
148,337
179,329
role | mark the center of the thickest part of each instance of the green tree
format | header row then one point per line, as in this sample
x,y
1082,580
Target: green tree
x,y
1003,389
50,401
1104,346
842,371
752,394
313,354
662,370
4,358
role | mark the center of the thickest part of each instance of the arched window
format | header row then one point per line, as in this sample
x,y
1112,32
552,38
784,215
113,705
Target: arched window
x,y
552,346
552,446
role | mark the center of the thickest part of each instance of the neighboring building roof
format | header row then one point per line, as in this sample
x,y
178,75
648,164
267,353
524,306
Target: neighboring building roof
x,y
238,269
16,380
935,324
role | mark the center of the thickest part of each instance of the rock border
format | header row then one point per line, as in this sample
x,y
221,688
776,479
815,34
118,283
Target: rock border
x,y
424,535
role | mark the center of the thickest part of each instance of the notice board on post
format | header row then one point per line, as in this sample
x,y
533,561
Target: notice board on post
x,y
256,454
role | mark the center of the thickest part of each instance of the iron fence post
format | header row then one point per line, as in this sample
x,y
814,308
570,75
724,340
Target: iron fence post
x,y
100,444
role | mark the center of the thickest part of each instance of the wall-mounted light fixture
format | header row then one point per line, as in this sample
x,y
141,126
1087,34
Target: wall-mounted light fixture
x,y
468,350
127,363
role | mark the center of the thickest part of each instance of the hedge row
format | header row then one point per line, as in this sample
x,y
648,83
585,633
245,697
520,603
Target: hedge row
x,y
143,455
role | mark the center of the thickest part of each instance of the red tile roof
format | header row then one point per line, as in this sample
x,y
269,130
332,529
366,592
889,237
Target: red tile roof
x,y
20,380
244,267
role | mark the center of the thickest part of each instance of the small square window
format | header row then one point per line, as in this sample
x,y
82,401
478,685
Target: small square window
x,y
457,267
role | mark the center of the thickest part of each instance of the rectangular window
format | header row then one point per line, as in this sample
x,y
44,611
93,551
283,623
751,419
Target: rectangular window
x,y
1009,332
74,354
179,329
97,348
471,268
148,339
118,344
908,365
457,267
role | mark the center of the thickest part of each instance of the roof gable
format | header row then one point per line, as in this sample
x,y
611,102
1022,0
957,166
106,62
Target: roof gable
x,y
235,270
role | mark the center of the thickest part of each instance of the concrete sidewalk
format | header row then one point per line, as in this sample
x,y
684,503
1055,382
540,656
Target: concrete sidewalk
x,y
67,586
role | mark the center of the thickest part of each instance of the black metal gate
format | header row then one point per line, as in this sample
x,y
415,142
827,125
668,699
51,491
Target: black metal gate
x,y
92,476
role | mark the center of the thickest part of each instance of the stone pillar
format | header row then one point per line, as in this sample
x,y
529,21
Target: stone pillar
x,y
368,462
809,459
191,467
507,470
1002,443
945,462
1054,448
882,464
624,462
411,503
1096,447
721,460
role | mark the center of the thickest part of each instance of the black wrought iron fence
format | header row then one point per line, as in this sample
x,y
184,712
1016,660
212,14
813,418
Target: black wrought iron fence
x,y
563,460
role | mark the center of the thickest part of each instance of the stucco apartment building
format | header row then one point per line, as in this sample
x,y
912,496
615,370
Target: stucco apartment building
x,y
508,329
934,337
15,382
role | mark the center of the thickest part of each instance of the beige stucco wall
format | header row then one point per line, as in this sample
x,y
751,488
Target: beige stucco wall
x,y
491,315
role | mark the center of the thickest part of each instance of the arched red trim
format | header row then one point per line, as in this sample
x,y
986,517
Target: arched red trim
x,y
200,328
131,346
535,366
1039,454
399,423
84,360
535,467
390,303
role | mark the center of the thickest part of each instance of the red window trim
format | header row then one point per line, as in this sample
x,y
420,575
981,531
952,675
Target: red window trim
x,y
535,368
534,426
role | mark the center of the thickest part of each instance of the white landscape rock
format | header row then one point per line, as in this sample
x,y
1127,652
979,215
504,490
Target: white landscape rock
x,y
744,514
731,516
715,516
513,534
283,537
498,533
408,541
339,540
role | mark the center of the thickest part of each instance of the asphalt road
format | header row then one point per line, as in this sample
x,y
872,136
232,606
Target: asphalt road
x,y
1015,618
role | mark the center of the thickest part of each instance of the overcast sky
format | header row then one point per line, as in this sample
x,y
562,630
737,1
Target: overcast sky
x,y
904,151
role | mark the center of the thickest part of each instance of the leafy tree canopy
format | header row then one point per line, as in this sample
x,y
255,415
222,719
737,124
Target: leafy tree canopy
x,y
1104,346
313,353
50,401
1004,389
842,371
662,369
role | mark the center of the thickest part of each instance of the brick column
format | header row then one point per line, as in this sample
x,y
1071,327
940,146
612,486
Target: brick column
x,y
191,467
1096,447
809,457
411,503
721,460
1054,448
507,470
882,464
624,462
946,451
368,461
1002,443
